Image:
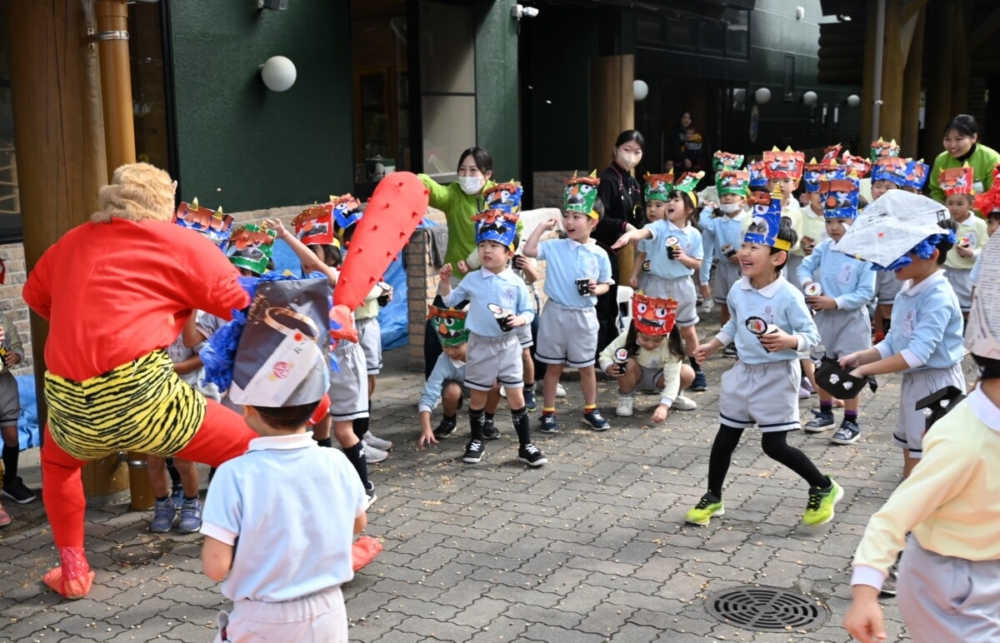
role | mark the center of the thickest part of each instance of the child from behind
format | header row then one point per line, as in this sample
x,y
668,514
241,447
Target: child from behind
x,y
925,337
970,229
577,272
649,357
839,298
771,325
674,249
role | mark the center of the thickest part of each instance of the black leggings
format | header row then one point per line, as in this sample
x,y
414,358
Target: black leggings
x,y
774,446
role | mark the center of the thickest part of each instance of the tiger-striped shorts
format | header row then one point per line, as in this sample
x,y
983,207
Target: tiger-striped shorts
x,y
140,406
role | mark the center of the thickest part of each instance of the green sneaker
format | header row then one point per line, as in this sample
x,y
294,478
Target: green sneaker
x,y
821,504
708,507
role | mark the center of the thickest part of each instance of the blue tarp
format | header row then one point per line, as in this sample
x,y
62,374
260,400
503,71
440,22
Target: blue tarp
x,y
27,422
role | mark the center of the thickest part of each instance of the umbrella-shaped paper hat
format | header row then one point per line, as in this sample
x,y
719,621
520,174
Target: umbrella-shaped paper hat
x,y
892,227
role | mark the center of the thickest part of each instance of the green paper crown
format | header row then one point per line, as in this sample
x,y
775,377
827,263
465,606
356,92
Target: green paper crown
x,y
732,182
722,161
449,324
659,186
251,247
581,194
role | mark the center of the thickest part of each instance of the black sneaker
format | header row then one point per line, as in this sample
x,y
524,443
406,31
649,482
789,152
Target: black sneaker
x,y
531,455
700,382
474,451
848,433
595,420
490,430
446,428
529,398
820,423
729,350
549,424
18,492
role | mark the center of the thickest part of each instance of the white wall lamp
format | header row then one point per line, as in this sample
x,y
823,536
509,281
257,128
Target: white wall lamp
x,y
853,100
640,89
762,95
519,11
278,73
809,98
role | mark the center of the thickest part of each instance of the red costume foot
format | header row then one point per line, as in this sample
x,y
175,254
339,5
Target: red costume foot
x,y
73,578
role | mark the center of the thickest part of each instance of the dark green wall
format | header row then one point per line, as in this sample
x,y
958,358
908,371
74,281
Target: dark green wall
x,y
497,127
241,145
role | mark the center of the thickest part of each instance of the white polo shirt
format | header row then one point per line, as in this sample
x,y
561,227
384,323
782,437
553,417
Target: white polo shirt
x,y
292,505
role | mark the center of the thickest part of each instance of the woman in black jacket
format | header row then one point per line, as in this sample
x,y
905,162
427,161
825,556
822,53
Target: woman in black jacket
x,y
621,196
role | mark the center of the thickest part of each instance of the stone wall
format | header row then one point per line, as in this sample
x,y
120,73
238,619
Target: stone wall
x,y
548,188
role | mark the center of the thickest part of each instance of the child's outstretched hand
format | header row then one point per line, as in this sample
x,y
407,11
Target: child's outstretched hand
x,y
426,439
778,341
704,351
864,619
659,414
548,225
622,240
277,226
445,272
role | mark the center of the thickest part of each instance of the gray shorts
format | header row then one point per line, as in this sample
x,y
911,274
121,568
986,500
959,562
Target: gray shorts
x,y
567,336
682,290
650,379
842,332
886,287
349,383
944,598
10,400
763,394
493,359
727,273
961,283
791,270
524,336
910,423
370,339
317,617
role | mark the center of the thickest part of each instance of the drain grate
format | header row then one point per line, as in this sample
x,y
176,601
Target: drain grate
x,y
766,609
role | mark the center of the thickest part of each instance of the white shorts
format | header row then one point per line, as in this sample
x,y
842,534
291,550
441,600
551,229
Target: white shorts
x,y
763,394
842,332
727,273
524,336
317,618
370,339
682,290
961,283
911,423
944,598
567,336
493,359
349,383
886,287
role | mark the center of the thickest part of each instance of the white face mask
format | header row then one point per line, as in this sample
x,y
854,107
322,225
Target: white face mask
x,y
471,184
627,160
729,208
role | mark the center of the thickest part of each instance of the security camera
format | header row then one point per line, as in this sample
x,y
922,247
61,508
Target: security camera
x,y
519,11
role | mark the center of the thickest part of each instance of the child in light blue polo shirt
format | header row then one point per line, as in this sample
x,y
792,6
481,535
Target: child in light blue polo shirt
x,y
722,237
577,272
840,298
771,325
925,337
674,249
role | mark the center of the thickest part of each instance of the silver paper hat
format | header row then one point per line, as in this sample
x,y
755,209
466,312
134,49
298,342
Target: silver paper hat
x,y
892,226
983,327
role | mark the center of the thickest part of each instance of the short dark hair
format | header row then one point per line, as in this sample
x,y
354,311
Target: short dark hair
x,y
287,418
482,157
785,233
599,208
944,246
964,124
989,369
993,215
331,253
630,135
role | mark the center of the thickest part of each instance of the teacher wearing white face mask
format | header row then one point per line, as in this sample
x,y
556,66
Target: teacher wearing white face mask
x,y
621,196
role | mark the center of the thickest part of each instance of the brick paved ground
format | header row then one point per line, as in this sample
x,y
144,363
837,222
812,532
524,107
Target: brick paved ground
x,y
591,547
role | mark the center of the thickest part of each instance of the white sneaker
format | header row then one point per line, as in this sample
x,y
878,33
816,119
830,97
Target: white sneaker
x,y
560,391
625,406
378,443
373,455
684,403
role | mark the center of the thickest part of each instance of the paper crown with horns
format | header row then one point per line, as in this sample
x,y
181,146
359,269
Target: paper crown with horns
x,y
956,180
857,164
839,197
581,194
989,201
830,154
653,316
758,175
346,211
732,182
251,247
766,221
687,184
722,161
815,172
505,197
449,324
659,186
784,165
314,225
882,150
916,174
892,169
215,226
498,226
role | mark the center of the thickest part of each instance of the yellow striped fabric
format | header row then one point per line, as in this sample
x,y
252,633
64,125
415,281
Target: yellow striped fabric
x,y
140,406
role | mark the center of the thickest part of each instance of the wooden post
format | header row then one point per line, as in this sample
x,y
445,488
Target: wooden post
x,y
116,82
941,49
56,97
891,119
868,76
912,81
960,63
